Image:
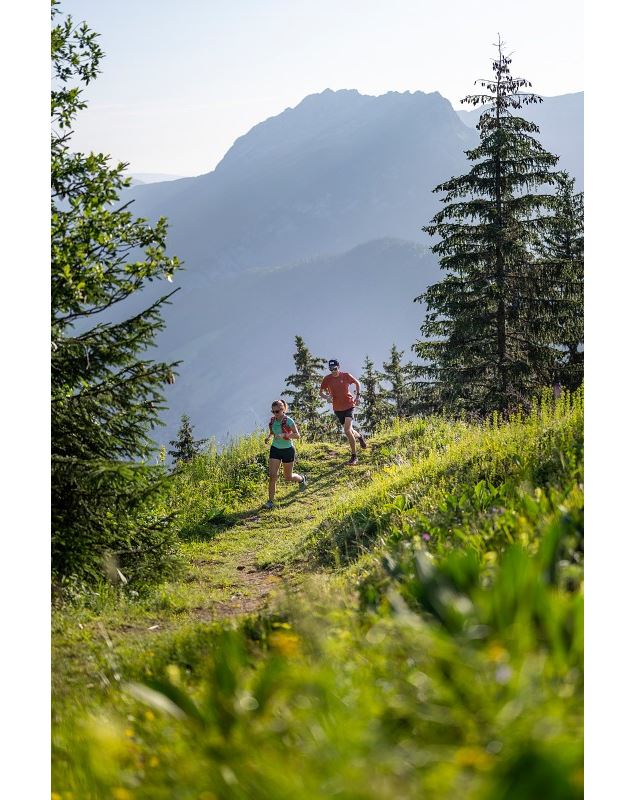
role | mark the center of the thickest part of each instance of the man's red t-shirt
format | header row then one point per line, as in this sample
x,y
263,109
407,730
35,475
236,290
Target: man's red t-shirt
x,y
338,385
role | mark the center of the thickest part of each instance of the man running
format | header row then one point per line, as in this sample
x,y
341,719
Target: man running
x,y
334,388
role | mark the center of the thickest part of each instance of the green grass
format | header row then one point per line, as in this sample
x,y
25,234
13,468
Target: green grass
x,y
408,628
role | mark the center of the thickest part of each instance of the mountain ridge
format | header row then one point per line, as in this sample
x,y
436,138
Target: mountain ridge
x,y
338,169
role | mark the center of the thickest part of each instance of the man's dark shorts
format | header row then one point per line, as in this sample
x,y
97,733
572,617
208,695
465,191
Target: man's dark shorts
x,y
285,454
341,415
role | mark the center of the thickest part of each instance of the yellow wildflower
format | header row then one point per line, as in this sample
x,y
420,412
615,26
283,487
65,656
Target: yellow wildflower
x,y
173,673
119,793
285,643
496,652
473,757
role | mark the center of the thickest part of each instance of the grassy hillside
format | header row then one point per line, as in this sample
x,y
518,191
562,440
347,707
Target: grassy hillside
x,y
411,627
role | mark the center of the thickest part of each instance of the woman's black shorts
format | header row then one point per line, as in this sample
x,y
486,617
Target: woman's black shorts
x,y
341,415
284,454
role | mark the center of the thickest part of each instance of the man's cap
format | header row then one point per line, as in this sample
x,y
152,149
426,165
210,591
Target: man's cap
x,y
333,362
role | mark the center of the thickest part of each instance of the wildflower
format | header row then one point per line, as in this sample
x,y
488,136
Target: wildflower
x,y
503,674
496,652
284,643
119,793
173,673
473,757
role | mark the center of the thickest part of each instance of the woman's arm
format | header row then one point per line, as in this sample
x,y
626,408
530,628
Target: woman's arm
x,y
295,433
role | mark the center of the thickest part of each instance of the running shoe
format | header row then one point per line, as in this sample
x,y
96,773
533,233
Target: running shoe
x,y
303,483
269,504
362,442
353,461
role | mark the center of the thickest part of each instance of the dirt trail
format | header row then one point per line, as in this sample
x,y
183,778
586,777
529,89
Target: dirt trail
x,y
237,571
239,548
251,593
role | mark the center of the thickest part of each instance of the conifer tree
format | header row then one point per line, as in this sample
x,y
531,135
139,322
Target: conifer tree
x,y
492,324
186,447
374,407
424,395
561,256
105,395
399,377
304,394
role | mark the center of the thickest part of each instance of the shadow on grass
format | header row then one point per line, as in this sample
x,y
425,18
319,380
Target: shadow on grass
x,y
345,543
221,520
218,522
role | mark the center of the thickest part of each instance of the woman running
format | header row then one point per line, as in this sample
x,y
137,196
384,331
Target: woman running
x,y
283,429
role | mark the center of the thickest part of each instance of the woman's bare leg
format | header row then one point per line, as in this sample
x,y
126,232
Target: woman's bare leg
x,y
289,474
274,467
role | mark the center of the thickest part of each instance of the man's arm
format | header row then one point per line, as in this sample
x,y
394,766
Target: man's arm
x,y
358,389
324,392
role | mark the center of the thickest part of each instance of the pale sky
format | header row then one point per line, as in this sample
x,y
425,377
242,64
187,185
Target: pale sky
x,y
181,81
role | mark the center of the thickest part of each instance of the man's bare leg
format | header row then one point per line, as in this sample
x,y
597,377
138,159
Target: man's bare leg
x,y
351,434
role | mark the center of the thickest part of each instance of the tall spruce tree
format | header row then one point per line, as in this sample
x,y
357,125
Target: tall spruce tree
x,y
105,395
186,447
374,407
399,377
491,323
304,394
561,256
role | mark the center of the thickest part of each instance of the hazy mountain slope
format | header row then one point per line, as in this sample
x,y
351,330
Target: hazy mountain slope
x,y
561,123
333,172
339,169
236,337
